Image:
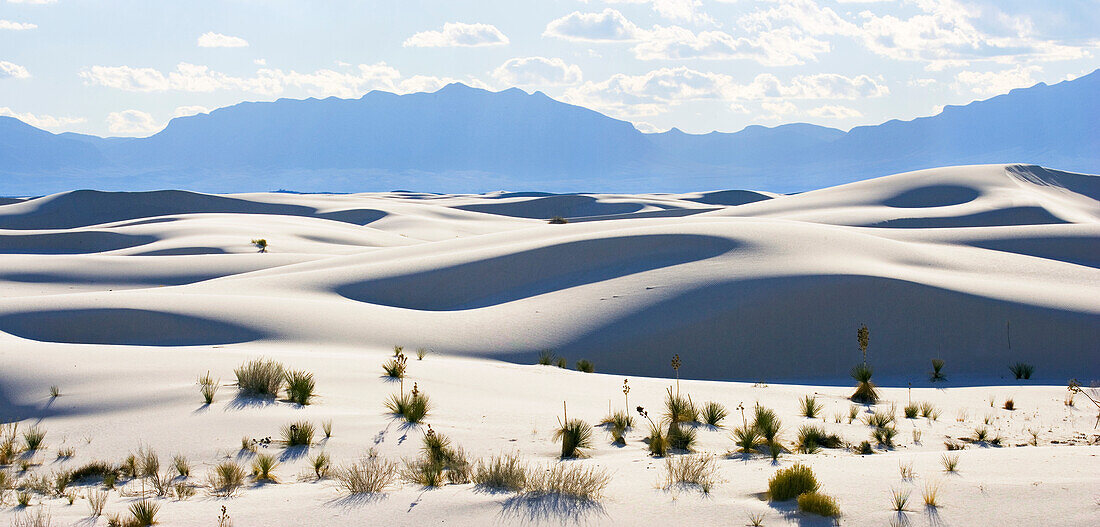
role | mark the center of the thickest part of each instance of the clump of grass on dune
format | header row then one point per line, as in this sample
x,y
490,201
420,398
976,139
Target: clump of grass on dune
x,y
569,480
263,466
299,386
1022,370
34,438
697,470
438,462
226,479
546,357
299,433
679,409
714,413
504,473
767,424
143,513
911,411
812,437
260,377
413,406
658,443
395,367
884,436
937,371
810,408
320,464
681,437
575,435
585,366
370,475
865,390
208,387
747,439
791,482
819,504
618,423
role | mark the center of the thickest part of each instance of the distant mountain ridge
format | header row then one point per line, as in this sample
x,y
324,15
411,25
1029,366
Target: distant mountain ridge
x,y
463,139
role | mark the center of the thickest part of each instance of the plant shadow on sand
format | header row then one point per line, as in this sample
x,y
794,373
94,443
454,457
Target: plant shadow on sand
x,y
551,509
356,501
789,511
245,400
293,453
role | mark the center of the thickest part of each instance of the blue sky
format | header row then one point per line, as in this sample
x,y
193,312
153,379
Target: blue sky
x,y
126,67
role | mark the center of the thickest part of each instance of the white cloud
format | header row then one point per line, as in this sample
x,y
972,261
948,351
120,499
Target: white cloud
x,y
607,26
537,71
218,40
13,71
184,111
16,26
647,128
131,122
260,62
777,110
832,111
995,82
458,34
781,47
46,122
677,10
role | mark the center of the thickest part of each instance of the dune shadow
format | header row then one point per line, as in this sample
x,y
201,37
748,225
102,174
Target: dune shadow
x,y
123,326
550,508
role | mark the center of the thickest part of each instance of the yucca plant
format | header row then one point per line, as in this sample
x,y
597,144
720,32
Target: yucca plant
x,y
546,357
585,365
680,437
884,436
714,413
879,419
299,386
911,410
927,409
679,409
208,387
413,406
326,427
144,512
226,478
260,377
33,438
320,464
263,466
899,499
950,463
299,433
747,439
937,371
182,466
811,438
1022,370
767,424
395,367
658,443
865,390
810,408
575,435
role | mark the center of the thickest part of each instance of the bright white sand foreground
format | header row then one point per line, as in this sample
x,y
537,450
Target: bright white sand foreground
x,y
123,300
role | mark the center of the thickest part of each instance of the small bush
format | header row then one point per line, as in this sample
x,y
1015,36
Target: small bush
x,y
183,490
33,438
263,466
299,433
810,408
182,466
144,512
906,470
226,478
93,470
714,413
504,472
326,427
208,387
697,470
879,419
394,368
546,357
575,435
884,436
561,363
864,449
767,424
569,480
679,409
927,409
1010,404
747,439
412,406
930,494
853,413
585,365
618,419
97,499
66,452
819,504
260,377
23,498
558,220
681,437
261,244
421,353
791,482
950,463
981,434
299,386
320,464
937,371
911,411
899,499
811,438
865,390
368,476
658,443
953,445
55,392
1022,370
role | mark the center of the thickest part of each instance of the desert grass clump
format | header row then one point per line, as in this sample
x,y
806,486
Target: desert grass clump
x,y
320,464
950,462
568,480
865,390
575,435
183,490
981,434
39,518
299,386
97,499
182,466
326,427
370,475
260,377
413,406
502,473
767,424
618,423
33,438
681,437
884,436
930,494
546,357
144,513
747,439
658,442
1009,404
561,363
226,478
421,353
262,468
927,409
299,433
23,498
912,410
819,504
810,408
791,482
879,419
261,244
1022,370
952,445
853,413
66,452
585,366
208,387
937,371
697,470
713,414
395,367
899,499
679,409
906,470
812,437
55,392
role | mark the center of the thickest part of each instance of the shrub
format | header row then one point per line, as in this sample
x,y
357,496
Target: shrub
x,y
1022,370
853,413
1010,404
930,494
261,377
546,357
575,435
413,406
819,504
368,476
504,472
299,386
260,244
33,438
950,463
791,482
262,467
569,480
679,409
927,409
911,411
697,470
423,473
421,353
23,498
558,220
97,499
884,436
658,443
865,390
208,387
714,413
811,438
906,470
39,518
953,445
680,437
182,466
226,479
66,452
937,371
183,490
144,512
395,367
326,427
299,433
767,424
864,449
561,363
879,419
585,365
899,499
55,392
981,434
618,419
320,464
747,439
810,407
248,444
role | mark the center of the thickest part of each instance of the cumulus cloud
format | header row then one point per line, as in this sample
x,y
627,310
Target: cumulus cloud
x,y
777,110
218,40
536,71
995,82
676,10
780,47
606,26
458,34
16,26
131,122
46,122
184,111
832,111
10,70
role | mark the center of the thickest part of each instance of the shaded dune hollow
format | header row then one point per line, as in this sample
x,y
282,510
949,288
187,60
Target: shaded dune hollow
x,y
564,205
534,272
130,327
81,242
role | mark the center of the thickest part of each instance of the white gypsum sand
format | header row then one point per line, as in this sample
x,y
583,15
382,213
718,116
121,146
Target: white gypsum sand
x,y
123,300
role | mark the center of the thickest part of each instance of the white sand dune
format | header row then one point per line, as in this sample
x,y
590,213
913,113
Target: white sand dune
x,y
982,266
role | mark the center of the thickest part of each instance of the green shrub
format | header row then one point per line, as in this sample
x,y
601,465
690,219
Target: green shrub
x,y
884,436
504,472
714,413
950,463
810,407
618,419
911,411
299,386
395,367
585,365
561,363
413,406
55,392
558,220
261,377
747,439
208,387
226,478
33,438
697,470
367,476
182,466
144,512
927,409
791,482
658,443
1022,370
679,409
546,357
864,449
680,437
262,467
812,437
575,435
865,390
320,464
767,424
899,499
937,371
299,433
879,419
570,480
326,427
819,504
